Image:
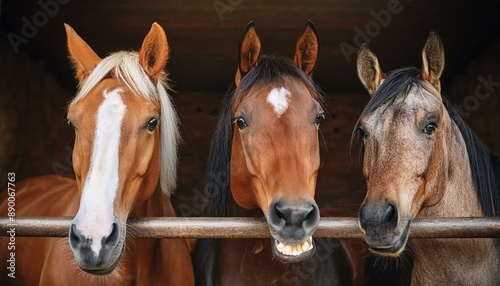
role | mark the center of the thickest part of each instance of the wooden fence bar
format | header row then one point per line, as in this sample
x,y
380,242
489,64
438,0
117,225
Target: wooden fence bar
x,y
234,227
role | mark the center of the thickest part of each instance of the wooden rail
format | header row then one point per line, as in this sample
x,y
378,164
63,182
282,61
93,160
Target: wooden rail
x,y
234,227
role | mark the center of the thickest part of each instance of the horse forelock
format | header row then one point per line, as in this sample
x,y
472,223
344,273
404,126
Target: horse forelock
x,y
398,83
273,70
125,66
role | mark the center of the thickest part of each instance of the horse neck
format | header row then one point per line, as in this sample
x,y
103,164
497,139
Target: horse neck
x,y
473,261
460,197
154,256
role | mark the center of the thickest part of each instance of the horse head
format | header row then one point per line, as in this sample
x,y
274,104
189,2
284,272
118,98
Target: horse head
x,y
405,131
126,136
275,148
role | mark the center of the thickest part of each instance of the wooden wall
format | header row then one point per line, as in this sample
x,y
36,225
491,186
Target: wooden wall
x,y
33,137
476,94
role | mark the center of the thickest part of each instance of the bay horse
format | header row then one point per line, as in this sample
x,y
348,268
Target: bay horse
x,y
264,161
422,160
124,158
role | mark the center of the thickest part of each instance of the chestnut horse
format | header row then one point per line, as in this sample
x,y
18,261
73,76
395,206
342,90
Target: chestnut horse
x,y
124,159
422,160
264,161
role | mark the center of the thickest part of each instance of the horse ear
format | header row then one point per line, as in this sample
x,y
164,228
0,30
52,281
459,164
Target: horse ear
x,y
433,60
154,52
307,50
249,52
369,71
82,56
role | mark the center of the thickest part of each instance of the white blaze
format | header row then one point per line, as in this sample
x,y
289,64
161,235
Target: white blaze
x,y
95,217
279,98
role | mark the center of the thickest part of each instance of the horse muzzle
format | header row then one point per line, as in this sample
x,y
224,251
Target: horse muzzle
x,y
98,255
292,225
385,232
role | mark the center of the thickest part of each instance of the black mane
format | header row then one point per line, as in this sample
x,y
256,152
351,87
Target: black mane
x,y
485,166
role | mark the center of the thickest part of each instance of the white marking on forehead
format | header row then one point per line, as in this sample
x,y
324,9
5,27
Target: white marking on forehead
x,y
96,216
279,99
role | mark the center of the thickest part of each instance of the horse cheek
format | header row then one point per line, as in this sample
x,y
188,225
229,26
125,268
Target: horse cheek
x,y
435,184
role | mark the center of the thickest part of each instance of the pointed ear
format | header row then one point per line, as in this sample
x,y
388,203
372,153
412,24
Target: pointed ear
x,y
249,52
433,60
307,50
82,56
154,52
369,71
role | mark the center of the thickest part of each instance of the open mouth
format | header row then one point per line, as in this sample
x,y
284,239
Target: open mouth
x,y
396,248
293,252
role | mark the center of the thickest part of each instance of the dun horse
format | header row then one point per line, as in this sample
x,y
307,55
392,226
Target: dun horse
x,y
264,161
422,160
124,159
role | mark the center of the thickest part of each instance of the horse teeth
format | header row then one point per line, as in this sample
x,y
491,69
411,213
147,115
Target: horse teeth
x,y
280,246
296,249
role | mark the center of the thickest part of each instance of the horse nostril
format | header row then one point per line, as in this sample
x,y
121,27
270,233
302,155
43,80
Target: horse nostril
x,y
391,215
308,216
295,214
311,214
75,237
279,213
311,219
113,236
73,233
378,215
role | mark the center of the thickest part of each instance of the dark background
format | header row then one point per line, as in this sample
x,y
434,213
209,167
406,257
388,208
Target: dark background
x,y
36,80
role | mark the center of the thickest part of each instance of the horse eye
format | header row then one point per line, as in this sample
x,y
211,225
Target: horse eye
x,y
152,124
242,124
430,128
361,132
319,118
70,124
